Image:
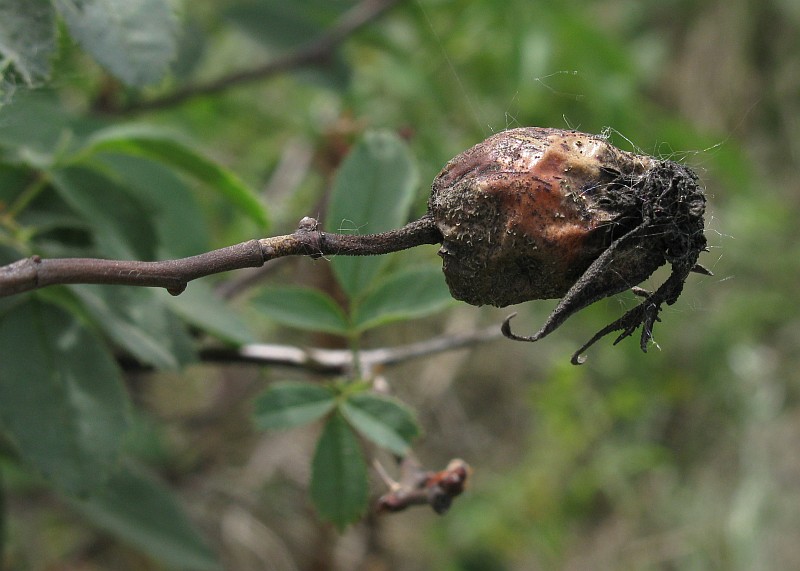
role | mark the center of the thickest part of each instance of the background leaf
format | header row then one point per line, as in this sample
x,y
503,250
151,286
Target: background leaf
x,y
36,129
138,322
338,475
27,39
62,400
373,192
179,223
140,510
302,307
383,420
288,404
167,148
406,294
121,224
201,307
278,24
134,39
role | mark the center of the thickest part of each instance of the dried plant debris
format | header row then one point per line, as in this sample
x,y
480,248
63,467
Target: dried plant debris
x,y
535,213
418,486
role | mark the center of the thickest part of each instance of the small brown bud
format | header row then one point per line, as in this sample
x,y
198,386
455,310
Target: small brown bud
x,y
536,213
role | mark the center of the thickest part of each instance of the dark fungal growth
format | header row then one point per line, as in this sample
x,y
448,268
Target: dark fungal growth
x,y
536,213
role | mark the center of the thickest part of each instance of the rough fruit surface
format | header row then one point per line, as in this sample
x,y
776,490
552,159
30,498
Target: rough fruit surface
x,y
535,213
525,212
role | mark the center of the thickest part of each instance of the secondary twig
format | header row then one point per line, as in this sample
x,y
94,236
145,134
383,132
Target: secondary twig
x,y
316,52
339,361
35,272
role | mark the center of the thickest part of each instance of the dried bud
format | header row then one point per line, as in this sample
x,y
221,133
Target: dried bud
x,y
418,486
537,213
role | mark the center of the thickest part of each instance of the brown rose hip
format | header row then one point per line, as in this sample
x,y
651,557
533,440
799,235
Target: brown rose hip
x,y
536,213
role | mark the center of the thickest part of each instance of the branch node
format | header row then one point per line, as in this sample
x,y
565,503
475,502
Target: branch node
x,y
307,224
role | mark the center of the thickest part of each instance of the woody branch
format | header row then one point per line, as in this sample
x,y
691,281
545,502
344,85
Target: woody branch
x,y
36,272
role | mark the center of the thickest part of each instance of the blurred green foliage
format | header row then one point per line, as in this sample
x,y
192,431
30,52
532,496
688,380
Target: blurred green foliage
x,y
683,458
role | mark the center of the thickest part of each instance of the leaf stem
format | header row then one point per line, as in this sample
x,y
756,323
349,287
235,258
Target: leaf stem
x,y
355,351
28,195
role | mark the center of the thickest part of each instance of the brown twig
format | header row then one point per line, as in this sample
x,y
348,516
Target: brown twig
x,y
316,52
35,272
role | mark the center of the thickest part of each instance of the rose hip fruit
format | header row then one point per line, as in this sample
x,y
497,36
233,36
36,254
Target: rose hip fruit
x,y
536,213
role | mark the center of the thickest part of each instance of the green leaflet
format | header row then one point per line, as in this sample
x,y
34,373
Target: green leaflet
x,y
304,308
120,223
280,25
338,475
201,307
165,147
373,192
406,294
134,39
289,404
38,131
27,39
177,219
137,320
140,510
62,401
381,419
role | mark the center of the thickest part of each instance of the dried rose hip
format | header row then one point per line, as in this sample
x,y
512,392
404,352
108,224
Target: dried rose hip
x,y
537,213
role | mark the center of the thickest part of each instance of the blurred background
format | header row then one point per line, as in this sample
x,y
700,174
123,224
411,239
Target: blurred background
x,y
684,458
